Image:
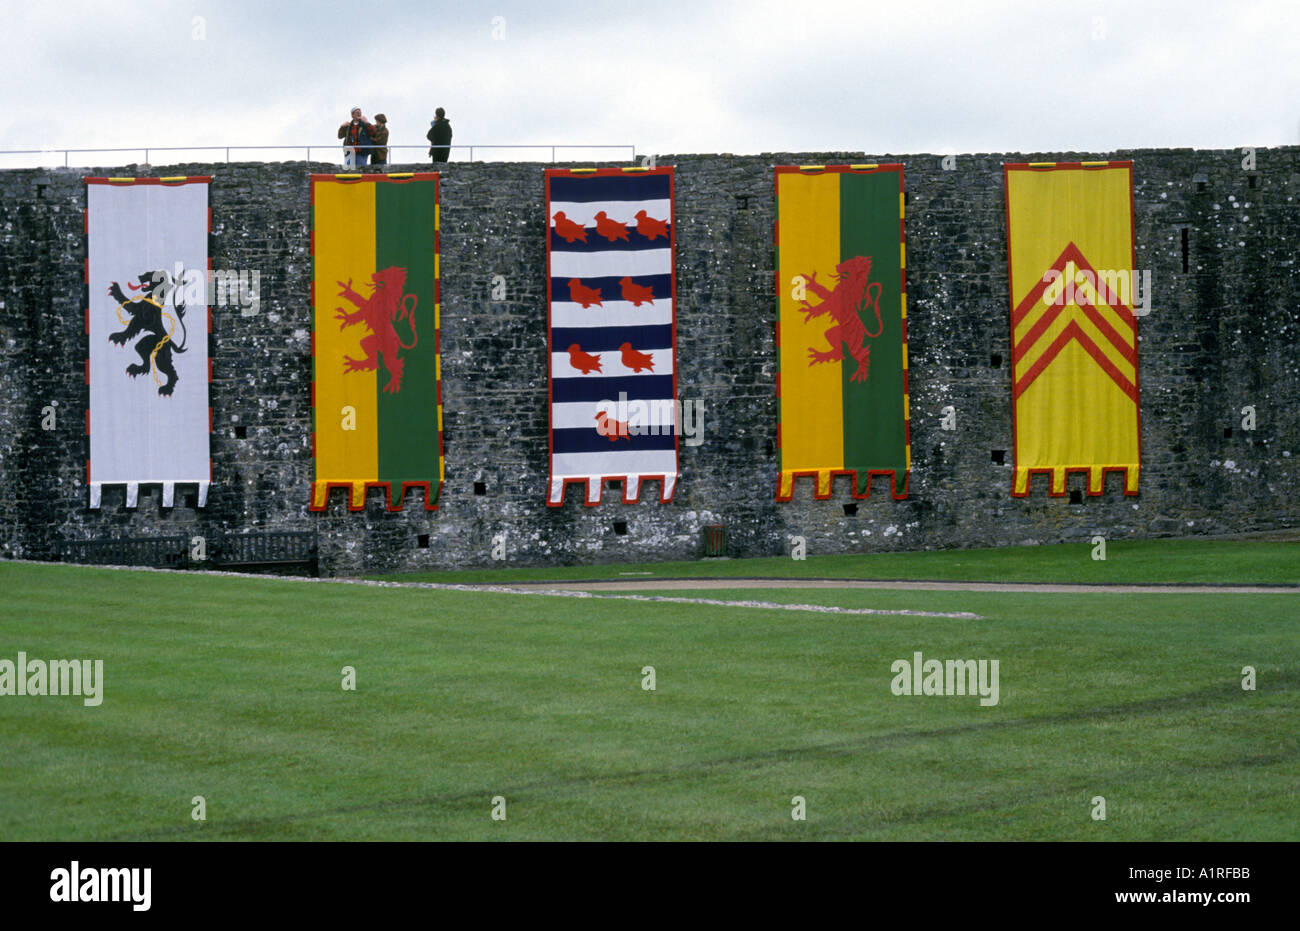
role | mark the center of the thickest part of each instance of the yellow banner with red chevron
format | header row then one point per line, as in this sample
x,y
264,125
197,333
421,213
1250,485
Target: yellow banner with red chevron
x,y
1074,344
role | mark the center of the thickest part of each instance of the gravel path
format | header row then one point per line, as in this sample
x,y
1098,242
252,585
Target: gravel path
x,y
703,584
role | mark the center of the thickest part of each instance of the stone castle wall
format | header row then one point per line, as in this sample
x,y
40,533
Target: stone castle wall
x,y
1223,333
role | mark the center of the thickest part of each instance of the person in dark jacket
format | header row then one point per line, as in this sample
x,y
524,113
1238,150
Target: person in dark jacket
x,y
379,137
355,133
440,135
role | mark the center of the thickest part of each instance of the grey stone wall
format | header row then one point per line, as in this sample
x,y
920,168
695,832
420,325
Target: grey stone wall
x,y
1223,334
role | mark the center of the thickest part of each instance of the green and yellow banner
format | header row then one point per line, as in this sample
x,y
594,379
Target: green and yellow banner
x,y
376,388
842,330
1073,331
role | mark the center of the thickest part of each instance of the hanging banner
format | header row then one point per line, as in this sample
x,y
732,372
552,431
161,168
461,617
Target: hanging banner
x,y
611,327
376,388
842,327
147,324
1071,261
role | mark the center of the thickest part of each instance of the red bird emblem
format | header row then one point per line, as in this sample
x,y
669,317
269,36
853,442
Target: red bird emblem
x,y
582,361
614,430
649,227
581,294
567,230
610,229
636,293
637,361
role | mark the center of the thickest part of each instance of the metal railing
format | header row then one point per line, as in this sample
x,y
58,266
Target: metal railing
x,y
167,552
228,550
264,549
334,148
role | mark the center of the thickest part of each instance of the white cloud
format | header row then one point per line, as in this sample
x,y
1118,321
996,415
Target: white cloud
x,y
674,76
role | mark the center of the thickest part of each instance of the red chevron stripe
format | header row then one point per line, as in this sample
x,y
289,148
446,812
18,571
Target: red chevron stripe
x,y
1090,311
1073,332
1071,253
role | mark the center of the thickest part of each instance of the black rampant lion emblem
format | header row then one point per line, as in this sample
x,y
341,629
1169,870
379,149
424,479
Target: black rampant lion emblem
x,y
148,318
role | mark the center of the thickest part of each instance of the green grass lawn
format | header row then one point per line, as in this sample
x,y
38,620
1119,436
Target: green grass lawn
x,y
230,689
1237,562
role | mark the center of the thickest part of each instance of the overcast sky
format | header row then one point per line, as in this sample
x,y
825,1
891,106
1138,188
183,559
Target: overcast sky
x,y
696,76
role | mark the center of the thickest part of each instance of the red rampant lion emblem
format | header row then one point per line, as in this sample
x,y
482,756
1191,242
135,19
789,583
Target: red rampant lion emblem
x,y
852,294
380,312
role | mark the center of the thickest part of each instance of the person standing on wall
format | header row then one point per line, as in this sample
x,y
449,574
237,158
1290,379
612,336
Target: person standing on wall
x,y
440,135
379,136
355,133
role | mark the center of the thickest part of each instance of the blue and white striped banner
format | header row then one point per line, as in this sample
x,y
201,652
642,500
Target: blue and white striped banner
x,y
612,332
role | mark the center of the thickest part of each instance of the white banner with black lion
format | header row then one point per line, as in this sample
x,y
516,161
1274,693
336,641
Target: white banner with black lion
x,y
147,322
